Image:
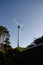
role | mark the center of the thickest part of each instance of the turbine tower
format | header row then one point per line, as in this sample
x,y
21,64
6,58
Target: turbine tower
x,y
18,27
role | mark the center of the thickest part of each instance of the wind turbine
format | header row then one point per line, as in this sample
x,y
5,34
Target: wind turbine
x,y
18,27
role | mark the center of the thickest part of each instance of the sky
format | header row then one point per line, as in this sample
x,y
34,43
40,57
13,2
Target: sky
x,y
29,13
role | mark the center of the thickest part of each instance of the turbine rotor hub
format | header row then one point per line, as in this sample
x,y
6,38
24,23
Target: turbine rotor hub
x,y
18,26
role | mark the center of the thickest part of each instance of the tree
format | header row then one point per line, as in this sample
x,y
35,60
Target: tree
x,y
39,40
4,33
7,41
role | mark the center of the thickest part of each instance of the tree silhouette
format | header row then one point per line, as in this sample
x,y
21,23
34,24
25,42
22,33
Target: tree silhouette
x,y
39,40
7,41
4,33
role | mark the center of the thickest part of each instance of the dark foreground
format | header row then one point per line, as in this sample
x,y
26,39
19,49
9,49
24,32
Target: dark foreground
x,y
32,56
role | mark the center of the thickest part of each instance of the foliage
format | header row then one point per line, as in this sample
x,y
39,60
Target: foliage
x,y
39,40
20,49
4,33
7,41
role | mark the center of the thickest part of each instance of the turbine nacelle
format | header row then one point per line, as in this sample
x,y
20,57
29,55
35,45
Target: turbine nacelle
x,y
19,26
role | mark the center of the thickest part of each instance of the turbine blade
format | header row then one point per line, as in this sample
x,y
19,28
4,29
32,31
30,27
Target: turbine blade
x,y
15,22
21,25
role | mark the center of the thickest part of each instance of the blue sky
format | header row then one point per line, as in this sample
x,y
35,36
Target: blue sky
x,y
26,12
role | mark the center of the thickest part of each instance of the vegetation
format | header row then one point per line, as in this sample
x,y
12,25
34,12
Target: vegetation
x,y
38,40
4,33
19,49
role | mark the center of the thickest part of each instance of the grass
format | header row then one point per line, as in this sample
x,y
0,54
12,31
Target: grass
x,y
20,48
